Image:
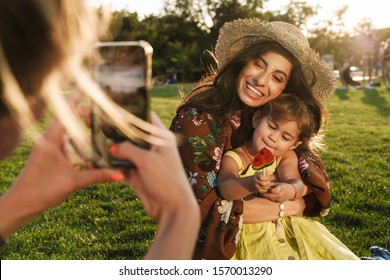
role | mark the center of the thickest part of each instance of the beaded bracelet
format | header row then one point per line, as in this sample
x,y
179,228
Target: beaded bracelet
x,y
281,210
279,230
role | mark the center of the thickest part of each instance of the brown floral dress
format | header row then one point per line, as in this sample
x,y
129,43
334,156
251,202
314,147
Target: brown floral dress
x,y
203,142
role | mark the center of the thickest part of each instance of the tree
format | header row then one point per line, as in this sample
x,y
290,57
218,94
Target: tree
x,y
296,12
124,26
213,13
328,37
186,28
177,43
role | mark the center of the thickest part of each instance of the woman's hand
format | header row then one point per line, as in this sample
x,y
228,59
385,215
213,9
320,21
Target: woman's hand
x,y
259,209
165,192
46,180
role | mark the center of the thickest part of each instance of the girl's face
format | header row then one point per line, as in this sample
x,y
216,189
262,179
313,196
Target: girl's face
x,y
277,136
263,79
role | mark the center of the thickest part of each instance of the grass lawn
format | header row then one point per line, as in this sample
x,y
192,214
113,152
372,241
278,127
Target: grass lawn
x,y
108,221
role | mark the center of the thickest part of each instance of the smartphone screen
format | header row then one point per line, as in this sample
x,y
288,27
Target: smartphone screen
x,y
123,71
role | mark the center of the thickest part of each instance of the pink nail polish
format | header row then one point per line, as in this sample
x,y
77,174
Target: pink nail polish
x,y
116,177
113,149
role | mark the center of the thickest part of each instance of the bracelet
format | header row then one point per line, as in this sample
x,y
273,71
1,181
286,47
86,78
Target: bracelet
x,y
324,212
281,211
279,230
295,189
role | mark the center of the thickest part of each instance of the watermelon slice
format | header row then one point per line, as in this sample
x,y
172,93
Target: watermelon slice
x,y
263,158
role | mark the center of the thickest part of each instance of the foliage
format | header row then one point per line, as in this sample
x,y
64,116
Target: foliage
x,y
296,12
108,221
187,28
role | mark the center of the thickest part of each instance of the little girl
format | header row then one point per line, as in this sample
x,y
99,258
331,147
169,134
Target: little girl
x,y
281,126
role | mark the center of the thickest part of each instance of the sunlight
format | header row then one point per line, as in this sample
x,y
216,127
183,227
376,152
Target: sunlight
x,y
355,14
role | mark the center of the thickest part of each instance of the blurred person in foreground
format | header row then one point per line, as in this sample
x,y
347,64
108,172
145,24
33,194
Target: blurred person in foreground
x,y
43,47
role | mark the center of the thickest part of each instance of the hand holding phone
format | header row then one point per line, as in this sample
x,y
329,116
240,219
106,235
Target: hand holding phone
x,y
123,70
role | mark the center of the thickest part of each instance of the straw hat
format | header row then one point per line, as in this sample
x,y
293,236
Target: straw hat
x,y
238,34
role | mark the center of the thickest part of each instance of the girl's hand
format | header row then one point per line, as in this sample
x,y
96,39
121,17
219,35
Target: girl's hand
x,y
280,192
262,182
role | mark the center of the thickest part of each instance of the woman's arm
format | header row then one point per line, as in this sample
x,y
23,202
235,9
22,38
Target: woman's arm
x,y
49,178
258,209
46,180
315,176
162,186
202,143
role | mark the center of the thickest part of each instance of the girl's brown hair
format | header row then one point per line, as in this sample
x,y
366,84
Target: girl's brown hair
x,y
310,116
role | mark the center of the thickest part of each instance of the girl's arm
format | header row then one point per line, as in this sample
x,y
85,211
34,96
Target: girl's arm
x,y
289,185
288,172
230,186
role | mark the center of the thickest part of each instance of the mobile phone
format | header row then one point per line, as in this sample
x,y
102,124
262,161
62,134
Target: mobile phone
x,y
124,71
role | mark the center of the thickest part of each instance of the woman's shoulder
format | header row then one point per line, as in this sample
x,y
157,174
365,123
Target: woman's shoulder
x,y
192,112
192,118
202,117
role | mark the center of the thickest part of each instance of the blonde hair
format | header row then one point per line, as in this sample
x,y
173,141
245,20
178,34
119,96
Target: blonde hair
x,y
57,38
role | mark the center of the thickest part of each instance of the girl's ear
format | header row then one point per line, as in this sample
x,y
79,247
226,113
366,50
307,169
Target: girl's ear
x,y
256,119
296,145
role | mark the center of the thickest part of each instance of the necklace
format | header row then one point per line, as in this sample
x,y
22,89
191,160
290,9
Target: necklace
x,y
247,152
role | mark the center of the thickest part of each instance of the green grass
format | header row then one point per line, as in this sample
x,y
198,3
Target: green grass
x,y
358,161
108,221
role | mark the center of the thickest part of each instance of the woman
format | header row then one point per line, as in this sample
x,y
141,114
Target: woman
x,y
43,48
257,62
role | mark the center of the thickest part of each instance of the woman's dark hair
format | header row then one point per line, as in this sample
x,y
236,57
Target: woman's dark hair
x,y
216,93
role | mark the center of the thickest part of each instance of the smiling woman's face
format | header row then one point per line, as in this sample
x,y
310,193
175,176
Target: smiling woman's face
x,y
263,79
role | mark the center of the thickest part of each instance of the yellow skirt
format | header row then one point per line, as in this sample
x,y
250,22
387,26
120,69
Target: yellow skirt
x,y
299,239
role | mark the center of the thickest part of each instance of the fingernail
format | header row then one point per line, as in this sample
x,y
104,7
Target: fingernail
x,y
116,177
113,149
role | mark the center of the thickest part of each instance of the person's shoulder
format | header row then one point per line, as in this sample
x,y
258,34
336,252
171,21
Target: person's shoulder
x,y
192,111
236,155
289,155
194,121
232,153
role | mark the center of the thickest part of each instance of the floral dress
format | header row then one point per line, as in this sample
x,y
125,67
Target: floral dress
x,y
203,141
